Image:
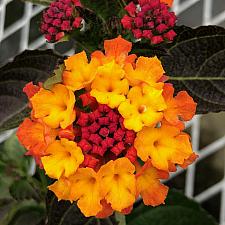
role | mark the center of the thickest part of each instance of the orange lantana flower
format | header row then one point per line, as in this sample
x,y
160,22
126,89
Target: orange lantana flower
x,y
55,107
163,145
120,137
116,49
147,70
149,185
179,108
35,136
79,73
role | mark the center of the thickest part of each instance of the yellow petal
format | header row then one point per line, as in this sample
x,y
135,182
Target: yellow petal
x,y
79,73
64,158
55,107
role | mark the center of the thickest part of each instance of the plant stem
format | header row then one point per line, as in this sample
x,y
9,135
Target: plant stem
x,y
196,78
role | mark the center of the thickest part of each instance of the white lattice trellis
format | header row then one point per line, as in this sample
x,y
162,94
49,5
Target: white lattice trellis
x,y
179,6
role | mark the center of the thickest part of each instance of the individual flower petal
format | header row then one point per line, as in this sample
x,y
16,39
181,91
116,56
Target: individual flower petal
x,y
149,185
109,86
164,145
55,107
79,73
118,183
106,210
30,89
189,161
143,107
62,188
147,70
85,189
115,49
35,136
179,107
64,157
168,2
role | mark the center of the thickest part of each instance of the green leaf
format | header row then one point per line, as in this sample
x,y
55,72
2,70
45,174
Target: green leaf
x,y
56,78
178,210
40,2
25,212
29,66
195,63
23,189
65,213
104,9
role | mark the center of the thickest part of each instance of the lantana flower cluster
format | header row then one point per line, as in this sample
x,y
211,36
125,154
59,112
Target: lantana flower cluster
x,y
110,131
60,18
151,20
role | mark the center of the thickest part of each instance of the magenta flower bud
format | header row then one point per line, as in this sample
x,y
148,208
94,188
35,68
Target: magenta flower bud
x,y
137,33
170,35
156,39
147,34
65,26
127,22
138,22
77,22
131,9
59,36
161,28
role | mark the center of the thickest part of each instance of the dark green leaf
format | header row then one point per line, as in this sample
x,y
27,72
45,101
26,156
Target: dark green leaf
x,y
65,213
56,78
23,189
103,8
196,63
178,210
24,213
29,66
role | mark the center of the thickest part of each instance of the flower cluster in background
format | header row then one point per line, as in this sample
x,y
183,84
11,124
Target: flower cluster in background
x,y
110,131
60,18
150,19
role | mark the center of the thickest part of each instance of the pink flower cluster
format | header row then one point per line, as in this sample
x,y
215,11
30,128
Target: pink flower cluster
x,y
150,19
60,18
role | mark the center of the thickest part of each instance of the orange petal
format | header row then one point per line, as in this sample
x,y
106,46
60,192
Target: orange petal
x,y
165,145
62,189
149,186
116,49
85,189
106,210
118,183
79,73
168,2
189,161
30,89
35,136
180,107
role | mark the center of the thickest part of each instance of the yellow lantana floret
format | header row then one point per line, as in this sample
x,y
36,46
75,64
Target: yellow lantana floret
x,y
165,145
79,73
55,107
143,107
118,184
147,70
64,157
110,86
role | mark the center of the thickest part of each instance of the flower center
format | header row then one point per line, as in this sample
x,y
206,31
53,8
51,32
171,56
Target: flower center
x,y
102,136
